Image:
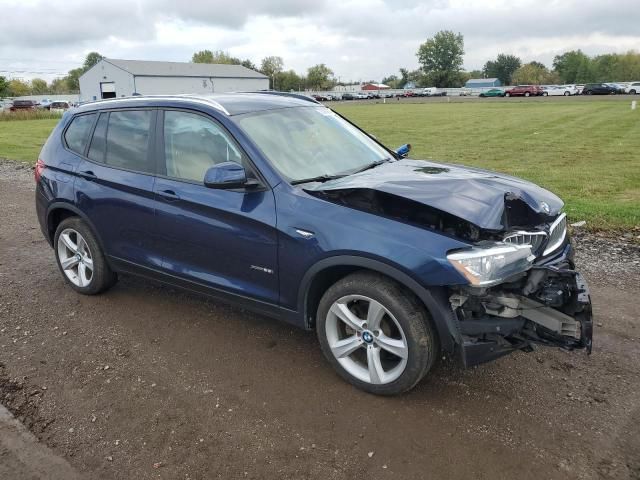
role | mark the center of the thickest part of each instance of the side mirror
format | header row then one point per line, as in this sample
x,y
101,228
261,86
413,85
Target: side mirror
x,y
403,151
225,175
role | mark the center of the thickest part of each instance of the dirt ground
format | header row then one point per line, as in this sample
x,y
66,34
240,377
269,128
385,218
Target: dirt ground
x,y
147,381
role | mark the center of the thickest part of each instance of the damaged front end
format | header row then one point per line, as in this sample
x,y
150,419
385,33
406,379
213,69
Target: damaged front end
x,y
502,310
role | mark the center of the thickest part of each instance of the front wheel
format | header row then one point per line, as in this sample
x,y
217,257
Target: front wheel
x,y
566,94
544,94
526,94
80,258
507,94
377,336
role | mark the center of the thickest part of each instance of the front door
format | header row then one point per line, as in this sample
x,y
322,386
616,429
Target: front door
x,y
223,239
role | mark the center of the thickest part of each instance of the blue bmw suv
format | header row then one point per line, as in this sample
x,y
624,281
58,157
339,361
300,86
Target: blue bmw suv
x,y
279,204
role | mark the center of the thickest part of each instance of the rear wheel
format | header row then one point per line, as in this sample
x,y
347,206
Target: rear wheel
x,y
526,94
378,337
632,92
566,94
80,258
544,94
507,94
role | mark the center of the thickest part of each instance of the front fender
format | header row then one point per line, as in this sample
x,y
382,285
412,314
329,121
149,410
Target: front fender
x,y
435,299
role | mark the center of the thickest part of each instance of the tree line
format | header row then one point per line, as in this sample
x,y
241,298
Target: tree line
x,y
440,60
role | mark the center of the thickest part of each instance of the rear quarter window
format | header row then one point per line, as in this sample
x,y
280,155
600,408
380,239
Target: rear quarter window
x,y
77,134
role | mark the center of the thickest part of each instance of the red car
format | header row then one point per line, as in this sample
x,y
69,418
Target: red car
x,y
23,105
524,91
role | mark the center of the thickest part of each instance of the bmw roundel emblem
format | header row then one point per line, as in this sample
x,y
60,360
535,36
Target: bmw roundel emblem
x,y
367,337
545,207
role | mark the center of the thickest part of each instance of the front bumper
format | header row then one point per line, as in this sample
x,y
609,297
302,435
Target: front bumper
x,y
549,305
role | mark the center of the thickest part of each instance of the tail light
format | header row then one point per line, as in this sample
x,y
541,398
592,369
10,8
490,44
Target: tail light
x,y
37,172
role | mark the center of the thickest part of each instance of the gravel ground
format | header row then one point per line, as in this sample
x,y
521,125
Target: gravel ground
x,y
146,381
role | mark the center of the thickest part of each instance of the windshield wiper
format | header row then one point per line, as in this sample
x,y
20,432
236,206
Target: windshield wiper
x,y
319,178
375,164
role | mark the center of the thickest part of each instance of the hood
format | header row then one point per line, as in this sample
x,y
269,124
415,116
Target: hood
x,y
488,200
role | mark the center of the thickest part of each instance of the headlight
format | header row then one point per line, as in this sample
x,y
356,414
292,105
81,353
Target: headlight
x,y
490,265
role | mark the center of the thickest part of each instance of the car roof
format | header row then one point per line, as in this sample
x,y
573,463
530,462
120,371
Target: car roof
x,y
227,103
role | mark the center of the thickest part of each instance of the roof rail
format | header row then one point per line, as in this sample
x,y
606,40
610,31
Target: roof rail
x,y
299,96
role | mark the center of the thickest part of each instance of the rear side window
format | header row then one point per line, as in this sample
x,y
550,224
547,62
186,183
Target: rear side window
x,y
77,134
121,140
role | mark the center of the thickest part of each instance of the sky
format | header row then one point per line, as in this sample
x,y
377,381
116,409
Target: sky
x,y
359,40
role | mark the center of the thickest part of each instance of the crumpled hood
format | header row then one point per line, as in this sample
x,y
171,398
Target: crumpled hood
x,y
487,199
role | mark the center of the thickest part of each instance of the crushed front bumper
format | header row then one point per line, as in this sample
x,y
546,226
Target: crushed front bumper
x,y
549,305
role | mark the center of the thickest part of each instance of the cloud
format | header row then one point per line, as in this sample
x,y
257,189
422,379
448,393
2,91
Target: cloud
x,y
358,39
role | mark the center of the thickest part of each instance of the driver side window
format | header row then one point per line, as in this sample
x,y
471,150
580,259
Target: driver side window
x,y
193,144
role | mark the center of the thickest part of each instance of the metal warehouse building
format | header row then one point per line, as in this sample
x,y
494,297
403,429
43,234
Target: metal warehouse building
x,y
110,78
482,83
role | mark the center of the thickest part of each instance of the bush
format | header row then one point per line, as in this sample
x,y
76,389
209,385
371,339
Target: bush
x,y
8,116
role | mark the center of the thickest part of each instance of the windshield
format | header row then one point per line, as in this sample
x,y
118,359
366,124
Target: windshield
x,y
308,142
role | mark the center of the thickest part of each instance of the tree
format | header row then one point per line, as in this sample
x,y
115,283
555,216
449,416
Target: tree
x,y
441,58
289,80
249,64
392,81
91,59
18,88
59,86
39,87
534,73
319,77
4,87
572,65
271,66
218,57
502,68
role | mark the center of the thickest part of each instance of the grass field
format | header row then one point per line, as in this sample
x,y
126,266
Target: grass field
x,y
22,139
587,152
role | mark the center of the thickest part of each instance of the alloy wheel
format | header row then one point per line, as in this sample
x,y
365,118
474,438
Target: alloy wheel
x,y
366,339
75,257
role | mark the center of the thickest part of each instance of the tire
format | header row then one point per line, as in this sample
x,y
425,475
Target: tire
x,y
566,94
632,92
526,94
75,242
507,94
589,92
403,325
544,94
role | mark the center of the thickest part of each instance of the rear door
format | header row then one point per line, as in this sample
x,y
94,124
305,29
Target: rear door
x,y
221,239
115,185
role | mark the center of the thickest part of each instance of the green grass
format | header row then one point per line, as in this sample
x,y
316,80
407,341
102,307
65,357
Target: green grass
x,y
588,153
22,140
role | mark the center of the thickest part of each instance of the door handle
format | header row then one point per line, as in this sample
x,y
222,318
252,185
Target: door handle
x,y
169,195
88,175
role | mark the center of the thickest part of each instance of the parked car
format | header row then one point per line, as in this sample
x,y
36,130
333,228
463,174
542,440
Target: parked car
x,y
44,104
618,88
361,95
433,92
494,92
276,203
598,89
633,88
409,93
524,91
23,105
320,98
579,87
465,92
348,96
557,90
59,107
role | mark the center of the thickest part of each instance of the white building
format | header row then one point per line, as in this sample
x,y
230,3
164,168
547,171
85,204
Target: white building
x,y
110,78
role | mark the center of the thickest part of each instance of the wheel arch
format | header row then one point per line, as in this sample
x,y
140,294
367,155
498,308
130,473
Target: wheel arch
x,y
59,211
326,272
